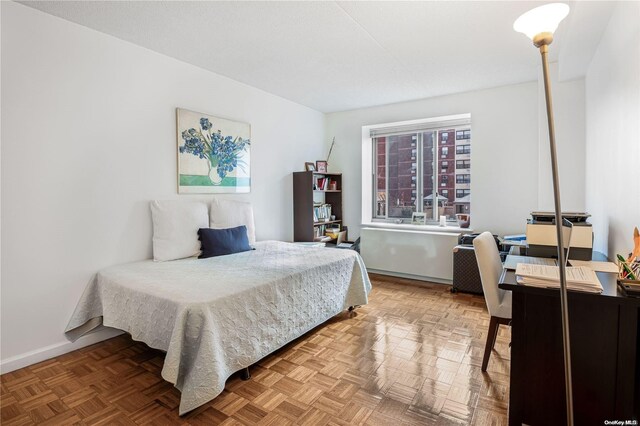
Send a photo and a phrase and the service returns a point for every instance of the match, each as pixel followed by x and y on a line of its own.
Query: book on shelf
pixel 337 235
pixel 324 183
pixel 319 182
pixel 319 231
pixel 322 213
pixel 333 231
pixel 579 278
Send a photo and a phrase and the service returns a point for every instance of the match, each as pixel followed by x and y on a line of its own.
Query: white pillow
pixel 175 228
pixel 230 213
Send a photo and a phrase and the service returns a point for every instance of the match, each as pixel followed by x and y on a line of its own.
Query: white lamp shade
pixel 542 19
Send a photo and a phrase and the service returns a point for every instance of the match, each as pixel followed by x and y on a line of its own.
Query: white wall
pixel 613 129
pixel 569 118
pixel 88 138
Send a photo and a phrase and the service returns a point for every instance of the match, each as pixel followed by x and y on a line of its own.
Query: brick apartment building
pixel 453 164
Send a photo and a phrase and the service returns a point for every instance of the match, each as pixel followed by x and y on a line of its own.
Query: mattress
pixel 216 316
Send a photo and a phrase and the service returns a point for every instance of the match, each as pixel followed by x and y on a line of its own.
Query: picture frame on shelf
pixel 418 218
pixel 321 166
pixel 309 166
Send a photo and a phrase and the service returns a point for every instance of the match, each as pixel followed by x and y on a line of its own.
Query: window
pixel 463 178
pixel 409 175
pixel 463 164
pixel 462 208
pixel 463 134
pixel 461 193
pixel 463 149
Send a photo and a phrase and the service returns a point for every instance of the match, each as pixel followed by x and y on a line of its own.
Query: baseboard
pixel 51 351
pixel 411 277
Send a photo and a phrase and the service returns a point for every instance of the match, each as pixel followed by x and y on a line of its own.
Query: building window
pixel 461 193
pixel 463 149
pixel 463 134
pixel 466 178
pixel 408 175
pixel 463 164
pixel 462 208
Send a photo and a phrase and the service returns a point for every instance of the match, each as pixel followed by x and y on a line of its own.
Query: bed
pixel 219 315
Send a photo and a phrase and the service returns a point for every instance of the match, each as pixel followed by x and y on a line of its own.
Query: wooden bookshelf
pixel 303 198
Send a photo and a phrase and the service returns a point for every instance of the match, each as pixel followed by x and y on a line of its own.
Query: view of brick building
pixel 463 172
pixel 397 178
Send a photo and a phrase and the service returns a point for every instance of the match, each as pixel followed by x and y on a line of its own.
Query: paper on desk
pixel 551 273
pixel 596 266
pixel 512 261
pixel 578 278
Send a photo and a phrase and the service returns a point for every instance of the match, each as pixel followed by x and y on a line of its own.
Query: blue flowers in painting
pixel 205 124
pixel 193 143
pixel 222 152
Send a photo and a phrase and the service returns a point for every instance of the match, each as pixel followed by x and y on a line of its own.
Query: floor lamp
pixel 539 24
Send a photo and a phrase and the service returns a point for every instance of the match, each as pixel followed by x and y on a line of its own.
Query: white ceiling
pixel 335 56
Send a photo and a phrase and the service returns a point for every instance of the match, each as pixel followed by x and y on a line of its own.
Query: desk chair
pixel 498 300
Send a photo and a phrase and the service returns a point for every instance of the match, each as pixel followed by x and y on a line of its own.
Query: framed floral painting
pixel 213 154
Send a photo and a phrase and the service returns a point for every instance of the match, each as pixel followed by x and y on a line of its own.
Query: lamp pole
pixel 542 41
pixel 539 25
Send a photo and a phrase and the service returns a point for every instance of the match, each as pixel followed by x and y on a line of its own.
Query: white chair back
pixel 490 266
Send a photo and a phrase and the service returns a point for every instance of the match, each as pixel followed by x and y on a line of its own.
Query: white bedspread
pixel 216 316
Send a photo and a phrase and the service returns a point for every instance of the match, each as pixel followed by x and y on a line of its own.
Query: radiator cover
pixel 423 254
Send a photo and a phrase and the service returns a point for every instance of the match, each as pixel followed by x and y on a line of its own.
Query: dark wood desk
pixel 605 351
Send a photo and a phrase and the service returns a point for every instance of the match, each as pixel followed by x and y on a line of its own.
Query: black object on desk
pixel 346 245
pixel 629 288
pixel 605 354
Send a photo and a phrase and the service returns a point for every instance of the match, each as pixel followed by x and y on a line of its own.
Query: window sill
pixel 421 228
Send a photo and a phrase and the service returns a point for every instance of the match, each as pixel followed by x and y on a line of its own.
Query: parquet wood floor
pixel 412 356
